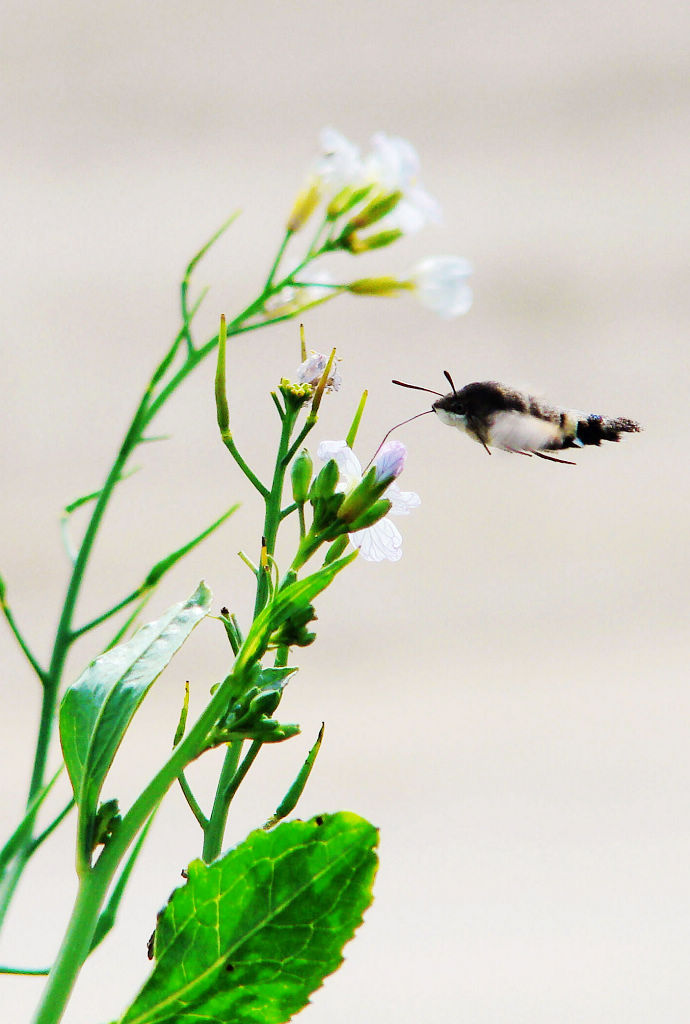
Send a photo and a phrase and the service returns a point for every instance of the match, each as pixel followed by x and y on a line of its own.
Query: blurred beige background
pixel 509 703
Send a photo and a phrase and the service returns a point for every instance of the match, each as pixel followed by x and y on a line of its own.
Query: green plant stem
pixel 40 672
pixel 24 970
pixel 192 801
pixel 274 500
pixel 53 825
pixel 76 633
pixel 213 833
pixel 276 263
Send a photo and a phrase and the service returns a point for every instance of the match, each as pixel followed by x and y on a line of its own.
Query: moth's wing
pixel 519 431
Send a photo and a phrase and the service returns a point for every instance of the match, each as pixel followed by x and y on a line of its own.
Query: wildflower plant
pixel 256 928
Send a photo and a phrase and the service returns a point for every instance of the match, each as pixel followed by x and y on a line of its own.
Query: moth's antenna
pixel 450 380
pixel 416 387
pixel 401 424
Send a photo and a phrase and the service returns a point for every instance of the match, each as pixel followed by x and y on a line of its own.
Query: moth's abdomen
pixel 594 429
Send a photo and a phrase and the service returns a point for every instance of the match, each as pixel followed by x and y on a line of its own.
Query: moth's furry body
pixel 497 416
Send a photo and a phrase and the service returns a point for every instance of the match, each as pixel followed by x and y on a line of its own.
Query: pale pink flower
pixel 382 540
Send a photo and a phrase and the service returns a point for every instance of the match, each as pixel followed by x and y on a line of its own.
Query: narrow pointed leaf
pixel 165 564
pixel 17 838
pixel 97 709
pixel 252 935
pixel 286 603
pixel 289 801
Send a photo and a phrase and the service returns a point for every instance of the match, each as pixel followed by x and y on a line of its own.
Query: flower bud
pixel 294 394
pixel 301 476
pixel 373 211
pixel 346 200
pixel 377 286
pixel 359 500
pixel 353 243
pixel 293 631
pixel 325 483
pixel 266 702
pixel 305 204
pixel 391 461
pixel 372 515
pixel 336 549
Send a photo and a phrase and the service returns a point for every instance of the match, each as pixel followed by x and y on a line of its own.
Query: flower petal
pixel 402 502
pixel 340 163
pixel 379 542
pixel 391 460
pixel 442 285
pixel 311 371
pixel 346 460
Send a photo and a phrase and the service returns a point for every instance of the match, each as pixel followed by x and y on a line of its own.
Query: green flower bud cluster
pixel 251 716
pixel 293 631
pixel 376 209
pixel 335 514
pixel 295 394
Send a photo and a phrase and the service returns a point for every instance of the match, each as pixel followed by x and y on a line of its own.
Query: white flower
pixel 340 164
pixel 311 371
pixel 441 283
pixel 394 165
pixel 382 540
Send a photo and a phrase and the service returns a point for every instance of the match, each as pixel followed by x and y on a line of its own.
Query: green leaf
pixel 165 564
pixel 252 935
pixel 287 603
pixel 16 840
pixel 98 708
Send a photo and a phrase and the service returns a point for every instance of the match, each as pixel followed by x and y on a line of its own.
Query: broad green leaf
pixel 97 709
pixel 252 935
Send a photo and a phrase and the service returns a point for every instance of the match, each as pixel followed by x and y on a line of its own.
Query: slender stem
pixel 122 631
pixel 51 828
pixel 40 672
pixel 289 510
pixel 192 801
pixel 106 615
pixel 299 440
pixel 215 829
pixel 273 503
pixel 272 272
pixel 250 475
pixel 24 970
pixel 276 402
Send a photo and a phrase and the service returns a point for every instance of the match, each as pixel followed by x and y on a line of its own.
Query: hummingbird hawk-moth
pixel 497 416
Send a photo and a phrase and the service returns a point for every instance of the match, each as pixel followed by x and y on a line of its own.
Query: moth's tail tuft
pixel 595 429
